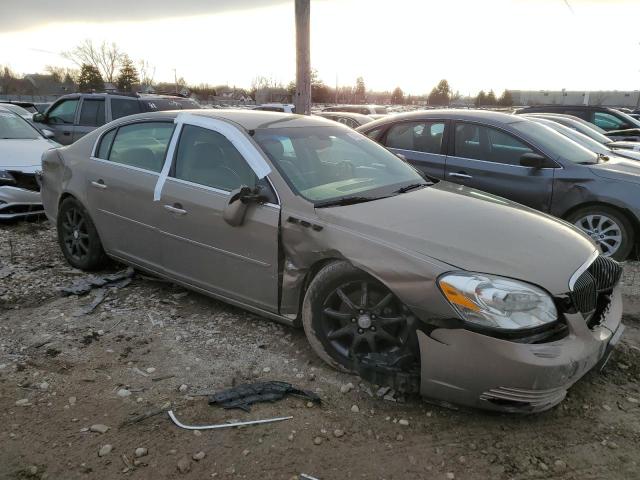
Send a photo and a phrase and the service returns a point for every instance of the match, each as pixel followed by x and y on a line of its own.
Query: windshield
pixel 555 143
pixel 575 136
pixel 326 163
pixel 13 127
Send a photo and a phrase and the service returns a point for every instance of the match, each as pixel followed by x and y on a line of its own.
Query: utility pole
pixel 302 99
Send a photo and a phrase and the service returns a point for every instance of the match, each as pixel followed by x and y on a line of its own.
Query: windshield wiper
pixel 413 186
pixel 339 202
pixel 603 157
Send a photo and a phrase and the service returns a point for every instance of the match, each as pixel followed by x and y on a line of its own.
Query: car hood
pixel 618 168
pixel 630 154
pixel 23 155
pixel 471 230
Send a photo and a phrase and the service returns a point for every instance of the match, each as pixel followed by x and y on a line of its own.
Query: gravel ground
pixel 72 384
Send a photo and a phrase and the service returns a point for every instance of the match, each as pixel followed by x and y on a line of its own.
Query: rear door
pixel 61 119
pixel 422 143
pixel 92 115
pixel 488 159
pixel 121 178
pixel 199 247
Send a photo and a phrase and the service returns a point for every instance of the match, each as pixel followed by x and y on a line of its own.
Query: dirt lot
pixel 151 344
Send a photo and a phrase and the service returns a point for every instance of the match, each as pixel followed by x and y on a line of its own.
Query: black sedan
pixel 524 161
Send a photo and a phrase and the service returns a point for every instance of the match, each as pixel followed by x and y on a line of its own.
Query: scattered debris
pixel 144 416
pixel 243 396
pixel 90 307
pixel 99 428
pixel 224 425
pixel 199 456
pixel 5 272
pixel 304 476
pixel 85 285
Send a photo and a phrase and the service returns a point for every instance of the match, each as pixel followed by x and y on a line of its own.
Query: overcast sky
pixel 518 44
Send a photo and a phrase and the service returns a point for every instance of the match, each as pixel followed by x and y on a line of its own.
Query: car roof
pixel 247 119
pixel 359 116
pixel 486 116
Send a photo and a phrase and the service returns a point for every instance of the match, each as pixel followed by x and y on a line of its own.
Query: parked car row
pixel 519 159
pixel 404 273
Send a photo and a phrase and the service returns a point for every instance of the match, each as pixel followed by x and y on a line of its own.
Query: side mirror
pixel 48 133
pixel 38 118
pixel 239 202
pixel 532 160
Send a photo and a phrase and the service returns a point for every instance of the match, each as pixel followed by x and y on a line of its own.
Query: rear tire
pixel 78 237
pixel 610 229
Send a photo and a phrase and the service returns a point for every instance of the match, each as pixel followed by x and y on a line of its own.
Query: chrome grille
pixel 597 281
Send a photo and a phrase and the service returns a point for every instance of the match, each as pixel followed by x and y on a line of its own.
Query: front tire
pixel 347 313
pixel 610 229
pixel 78 237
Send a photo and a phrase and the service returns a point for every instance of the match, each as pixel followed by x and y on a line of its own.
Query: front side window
pixel 489 144
pixel 64 112
pixel 417 136
pixel 92 113
pixel 609 122
pixel 327 163
pixel 142 145
pixel 121 107
pixel 208 158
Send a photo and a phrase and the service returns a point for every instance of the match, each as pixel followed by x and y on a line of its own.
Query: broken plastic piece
pixel 84 285
pixel 223 425
pixel 243 396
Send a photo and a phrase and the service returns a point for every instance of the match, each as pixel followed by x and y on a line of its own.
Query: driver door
pixel 198 246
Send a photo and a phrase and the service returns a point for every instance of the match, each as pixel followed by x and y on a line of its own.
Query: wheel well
pixel 628 215
pixel 64 196
pixel 312 272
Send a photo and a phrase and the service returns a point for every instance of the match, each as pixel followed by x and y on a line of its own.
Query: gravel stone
pixel 141 452
pixel 105 450
pixel 99 428
pixel 124 393
pixel 346 388
pixel 355 409
pixel 199 456
pixel 184 465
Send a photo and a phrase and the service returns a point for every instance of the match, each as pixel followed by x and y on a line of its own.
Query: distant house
pixel 110 87
pixel 273 95
pixel 41 84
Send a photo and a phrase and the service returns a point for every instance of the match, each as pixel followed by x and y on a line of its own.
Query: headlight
pixel 496 302
pixel 6 178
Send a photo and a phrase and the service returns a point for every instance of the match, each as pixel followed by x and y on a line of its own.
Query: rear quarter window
pixel 142 145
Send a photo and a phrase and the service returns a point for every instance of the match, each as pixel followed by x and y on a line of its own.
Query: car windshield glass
pixel 327 163
pixel 555 143
pixel 633 122
pixel 575 136
pixel 15 128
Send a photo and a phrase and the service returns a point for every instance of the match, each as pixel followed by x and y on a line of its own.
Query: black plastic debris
pixel 243 396
pixel 85 285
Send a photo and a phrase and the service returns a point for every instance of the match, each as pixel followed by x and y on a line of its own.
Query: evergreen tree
pixel 397 97
pixel 441 94
pixel 506 99
pixel 360 93
pixel 481 99
pixel 90 79
pixel 491 98
pixel 128 76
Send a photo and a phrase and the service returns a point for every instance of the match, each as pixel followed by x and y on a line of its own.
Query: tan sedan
pixel 436 288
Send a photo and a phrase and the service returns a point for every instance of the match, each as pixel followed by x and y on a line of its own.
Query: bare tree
pixel 106 58
pixel 146 72
pixel 61 74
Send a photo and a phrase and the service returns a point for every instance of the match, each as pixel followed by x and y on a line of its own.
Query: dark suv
pixel 73 116
pixel 617 124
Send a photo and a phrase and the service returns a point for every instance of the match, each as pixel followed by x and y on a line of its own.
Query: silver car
pixel 21 148
pixel 437 288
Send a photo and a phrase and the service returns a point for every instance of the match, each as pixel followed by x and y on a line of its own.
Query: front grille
pixel 25 180
pixel 591 290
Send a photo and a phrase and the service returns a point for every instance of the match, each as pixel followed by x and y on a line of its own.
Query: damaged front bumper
pixel 462 367
pixel 18 202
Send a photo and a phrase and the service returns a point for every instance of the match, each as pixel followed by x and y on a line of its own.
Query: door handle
pixel 175 208
pixel 460 175
pixel 99 184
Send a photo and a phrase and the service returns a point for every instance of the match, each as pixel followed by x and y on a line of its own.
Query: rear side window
pixel 417 136
pixel 207 158
pixel 121 107
pixel 92 113
pixel 141 145
pixel 161 104
pixel 105 144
